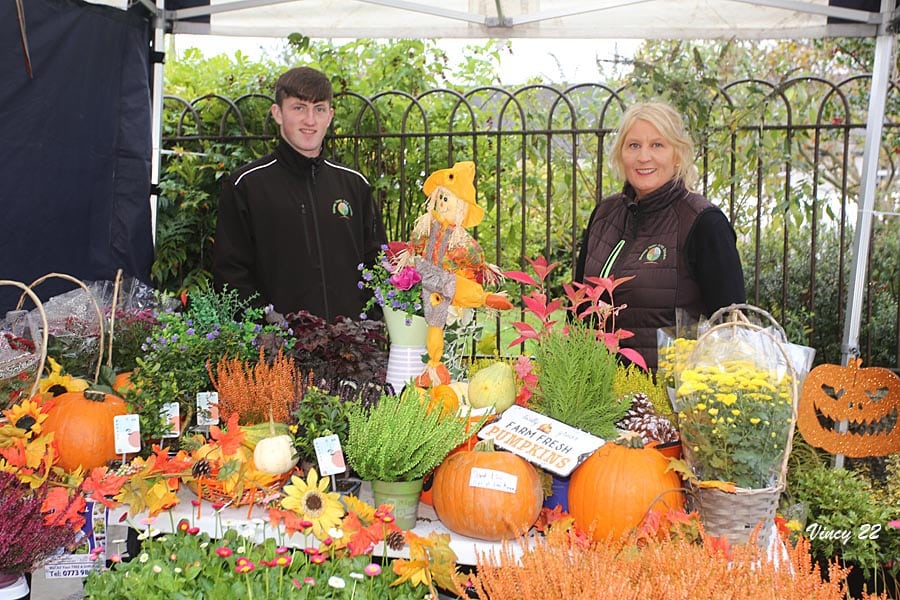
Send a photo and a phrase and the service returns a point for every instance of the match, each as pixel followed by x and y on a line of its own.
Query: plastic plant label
pixel 491 479
pixel 329 455
pixel 171 412
pixel 127 430
pixel 207 408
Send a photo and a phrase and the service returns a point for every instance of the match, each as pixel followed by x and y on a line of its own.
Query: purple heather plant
pixel 26 540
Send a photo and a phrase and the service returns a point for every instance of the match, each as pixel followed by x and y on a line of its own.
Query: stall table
pixel 253 523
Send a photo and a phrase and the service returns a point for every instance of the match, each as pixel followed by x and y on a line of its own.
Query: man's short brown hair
pixel 304 83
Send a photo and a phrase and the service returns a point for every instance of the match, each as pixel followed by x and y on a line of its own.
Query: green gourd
pixel 494 385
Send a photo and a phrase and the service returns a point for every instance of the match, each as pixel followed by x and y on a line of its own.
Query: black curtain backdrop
pixel 75 145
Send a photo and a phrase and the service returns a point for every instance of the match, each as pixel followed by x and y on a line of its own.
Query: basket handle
pixel 117 287
pixel 77 281
pixel 45 336
pixel 737 312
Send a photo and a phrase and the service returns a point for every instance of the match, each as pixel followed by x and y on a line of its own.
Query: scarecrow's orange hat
pixel 459 179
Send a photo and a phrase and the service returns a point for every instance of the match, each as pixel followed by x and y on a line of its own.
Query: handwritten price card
pixel 490 479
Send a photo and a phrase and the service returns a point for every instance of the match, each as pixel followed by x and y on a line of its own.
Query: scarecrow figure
pixel 449 260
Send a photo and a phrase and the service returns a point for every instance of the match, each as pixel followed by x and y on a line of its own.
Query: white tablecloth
pixel 258 528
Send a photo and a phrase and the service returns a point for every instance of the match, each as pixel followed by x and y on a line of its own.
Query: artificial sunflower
pixel 57 383
pixel 311 500
pixel 363 510
pixel 27 415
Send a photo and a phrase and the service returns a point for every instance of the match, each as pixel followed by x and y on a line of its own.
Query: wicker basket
pixel 735 515
pixel 90 297
pixel 27 362
pixel 213 490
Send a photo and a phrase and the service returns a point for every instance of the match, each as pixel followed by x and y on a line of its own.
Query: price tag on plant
pixel 127 430
pixel 207 408
pixel 329 455
pixel 171 413
pixel 545 442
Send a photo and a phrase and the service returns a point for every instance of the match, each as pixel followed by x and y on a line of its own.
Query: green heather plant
pixel 400 438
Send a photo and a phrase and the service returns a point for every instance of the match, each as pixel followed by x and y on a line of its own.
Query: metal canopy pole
pixel 156 90
pixel 884 53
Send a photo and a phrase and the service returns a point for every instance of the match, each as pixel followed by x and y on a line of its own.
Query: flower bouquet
pixel 392 287
pixel 19 364
pixel 737 396
pixel 398 291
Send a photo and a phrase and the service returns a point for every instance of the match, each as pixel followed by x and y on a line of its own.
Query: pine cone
pixel 643 419
pixel 201 468
pixel 640 406
pixel 395 540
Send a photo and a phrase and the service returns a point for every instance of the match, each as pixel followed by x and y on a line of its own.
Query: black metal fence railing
pixel 781 159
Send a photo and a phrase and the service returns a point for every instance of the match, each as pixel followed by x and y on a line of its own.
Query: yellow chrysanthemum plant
pixel 673 357
pixel 737 408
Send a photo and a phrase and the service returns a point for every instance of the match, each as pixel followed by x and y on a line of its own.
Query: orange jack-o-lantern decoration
pixel 850 410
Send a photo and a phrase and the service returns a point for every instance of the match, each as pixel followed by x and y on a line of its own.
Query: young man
pixel 293 226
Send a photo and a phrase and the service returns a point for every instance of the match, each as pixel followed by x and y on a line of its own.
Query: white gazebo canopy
pixel 612 19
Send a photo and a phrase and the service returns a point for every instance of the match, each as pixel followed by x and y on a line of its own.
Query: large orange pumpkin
pixel 82 423
pixel 487 495
pixel 614 489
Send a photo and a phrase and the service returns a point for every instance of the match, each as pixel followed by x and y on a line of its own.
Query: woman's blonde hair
pixel 670 124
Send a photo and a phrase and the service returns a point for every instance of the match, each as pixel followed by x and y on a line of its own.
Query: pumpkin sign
pixel 612 492
pixel 82 424
pixel 866 399
pixel 488 495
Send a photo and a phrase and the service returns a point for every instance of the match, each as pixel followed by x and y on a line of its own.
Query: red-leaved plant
pixel 583 301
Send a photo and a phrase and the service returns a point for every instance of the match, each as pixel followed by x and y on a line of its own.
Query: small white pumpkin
pixel 275 454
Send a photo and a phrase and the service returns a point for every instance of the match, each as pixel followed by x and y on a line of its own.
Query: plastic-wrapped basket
pixel 736 515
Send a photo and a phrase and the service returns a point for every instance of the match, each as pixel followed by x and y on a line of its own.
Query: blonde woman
pixel 679 246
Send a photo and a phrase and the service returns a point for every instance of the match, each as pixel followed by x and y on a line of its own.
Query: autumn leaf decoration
pixel 229 439
pixel 430 561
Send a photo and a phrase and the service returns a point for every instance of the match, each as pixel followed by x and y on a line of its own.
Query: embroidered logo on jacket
pixel 653 253
pixel 341 208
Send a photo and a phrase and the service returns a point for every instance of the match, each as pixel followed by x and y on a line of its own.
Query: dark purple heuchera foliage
pixel 346 357
pixel 26 541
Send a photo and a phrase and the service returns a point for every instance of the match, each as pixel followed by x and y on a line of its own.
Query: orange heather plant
pixel 252 391
pixel 562 565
